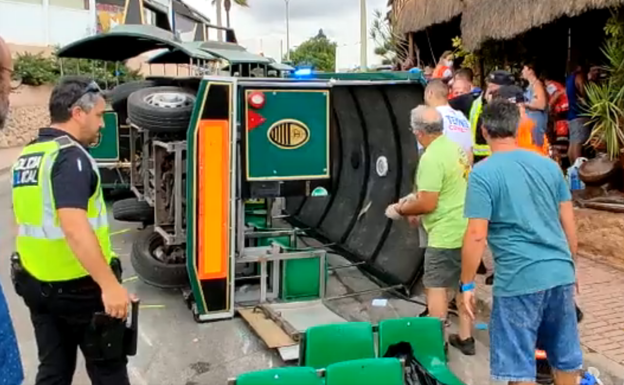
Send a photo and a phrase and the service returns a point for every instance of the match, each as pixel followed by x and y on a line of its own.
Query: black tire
pixel 118 97
pixel 151 270
pixel 133 210
pixel 161 116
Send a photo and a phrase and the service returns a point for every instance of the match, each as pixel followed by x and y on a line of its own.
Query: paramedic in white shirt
pixel 456 126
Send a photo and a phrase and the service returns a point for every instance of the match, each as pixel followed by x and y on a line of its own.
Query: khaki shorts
pixel 442 268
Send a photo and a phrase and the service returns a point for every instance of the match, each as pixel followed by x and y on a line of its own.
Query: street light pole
pixel 287 31
pixel 219 20
pixel 363 36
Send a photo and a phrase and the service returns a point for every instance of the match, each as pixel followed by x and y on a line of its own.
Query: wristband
pixel 470 286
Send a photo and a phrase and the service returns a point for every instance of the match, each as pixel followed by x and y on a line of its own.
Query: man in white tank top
pixel 456 126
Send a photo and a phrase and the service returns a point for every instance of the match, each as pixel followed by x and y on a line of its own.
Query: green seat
pixel 328 344
pixel 297 375
pixel 426 336
pixel 371 371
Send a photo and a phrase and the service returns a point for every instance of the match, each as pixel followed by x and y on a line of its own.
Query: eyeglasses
pixel 91 88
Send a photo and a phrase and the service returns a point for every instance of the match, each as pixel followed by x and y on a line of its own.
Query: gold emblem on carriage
pixel 288 134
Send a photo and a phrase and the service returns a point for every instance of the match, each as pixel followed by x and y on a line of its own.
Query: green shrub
pixel 37 69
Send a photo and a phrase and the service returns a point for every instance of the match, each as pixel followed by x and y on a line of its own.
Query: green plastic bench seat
pixel 426 336
pixel 372 371
pixel 328 344
pixel 281 376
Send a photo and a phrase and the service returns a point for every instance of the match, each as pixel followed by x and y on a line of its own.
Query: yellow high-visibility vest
pixel 41 243
pixel 475 113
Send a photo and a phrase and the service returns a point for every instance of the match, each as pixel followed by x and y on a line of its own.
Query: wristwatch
pixel 463 287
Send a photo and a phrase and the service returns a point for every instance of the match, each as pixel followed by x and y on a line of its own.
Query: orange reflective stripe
pixel 213 200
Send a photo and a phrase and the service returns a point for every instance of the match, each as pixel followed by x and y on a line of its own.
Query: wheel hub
pixel 170 99
pixel 172 257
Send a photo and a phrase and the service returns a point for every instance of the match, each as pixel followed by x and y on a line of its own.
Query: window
pixel 72 4
pixel 35 2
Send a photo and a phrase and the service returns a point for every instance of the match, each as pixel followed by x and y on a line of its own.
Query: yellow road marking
pixel 120 232
pixel 151 306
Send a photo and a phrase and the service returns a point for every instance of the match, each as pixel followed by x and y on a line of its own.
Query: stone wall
pixel 27 114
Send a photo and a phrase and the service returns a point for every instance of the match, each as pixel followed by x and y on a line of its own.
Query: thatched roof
pixel 483 20
pixel 416 15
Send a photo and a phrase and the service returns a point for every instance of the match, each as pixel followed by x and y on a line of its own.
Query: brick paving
pixel 602 301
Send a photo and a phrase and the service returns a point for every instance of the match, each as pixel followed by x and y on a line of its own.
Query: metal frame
pixel 146 170
pixel 163 219
pixel 137 183
pixel 274 254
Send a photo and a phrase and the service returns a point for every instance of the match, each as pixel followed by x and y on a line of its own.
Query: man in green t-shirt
pixel 440 191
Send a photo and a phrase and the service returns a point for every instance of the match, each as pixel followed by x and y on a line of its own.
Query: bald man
pixel 456 126
pixel 11 372
pixel 439 194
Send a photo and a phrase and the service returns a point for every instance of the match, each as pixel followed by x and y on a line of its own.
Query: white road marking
pixel 145 338
pixel 136 374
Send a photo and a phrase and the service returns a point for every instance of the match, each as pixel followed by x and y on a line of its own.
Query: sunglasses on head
pixel 91 88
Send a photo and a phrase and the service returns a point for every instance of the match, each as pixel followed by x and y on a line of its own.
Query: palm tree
pixel 227 5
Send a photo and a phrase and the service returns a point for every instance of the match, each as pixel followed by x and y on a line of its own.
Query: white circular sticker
pixel 319 192
pixel 382 166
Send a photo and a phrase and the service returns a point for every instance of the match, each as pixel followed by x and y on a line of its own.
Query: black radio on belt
pixel 110 338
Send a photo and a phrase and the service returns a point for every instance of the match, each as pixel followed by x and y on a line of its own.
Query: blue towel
pixel 11 371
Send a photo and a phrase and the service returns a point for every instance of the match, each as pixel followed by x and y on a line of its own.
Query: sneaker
pixel 467 346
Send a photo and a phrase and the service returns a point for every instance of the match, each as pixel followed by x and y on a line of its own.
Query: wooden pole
pixel 410 41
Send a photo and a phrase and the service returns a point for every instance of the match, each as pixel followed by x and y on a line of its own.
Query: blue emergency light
pixel 303 73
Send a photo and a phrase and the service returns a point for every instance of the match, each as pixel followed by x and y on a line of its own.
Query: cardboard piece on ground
pixel 289 353
pixel 272 335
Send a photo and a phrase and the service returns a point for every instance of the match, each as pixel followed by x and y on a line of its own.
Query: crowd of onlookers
pixel 551 110
pixel 485 180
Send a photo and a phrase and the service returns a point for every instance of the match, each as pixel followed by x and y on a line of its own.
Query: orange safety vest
pixel 525 137
pixel 438 73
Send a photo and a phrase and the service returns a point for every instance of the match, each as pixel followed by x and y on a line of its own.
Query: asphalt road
pixel 174 350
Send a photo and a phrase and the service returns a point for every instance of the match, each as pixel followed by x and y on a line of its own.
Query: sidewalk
pixel 602 300
pixel 8 157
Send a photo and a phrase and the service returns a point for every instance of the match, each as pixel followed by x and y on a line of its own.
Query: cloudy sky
pixel 262 26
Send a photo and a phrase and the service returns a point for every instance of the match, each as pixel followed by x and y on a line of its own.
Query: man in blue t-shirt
pixel 519 201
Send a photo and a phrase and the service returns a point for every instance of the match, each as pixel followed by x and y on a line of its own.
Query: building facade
pixel 33 24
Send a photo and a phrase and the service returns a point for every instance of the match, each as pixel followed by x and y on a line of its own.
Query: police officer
pixel 65 268
pixel 471 105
